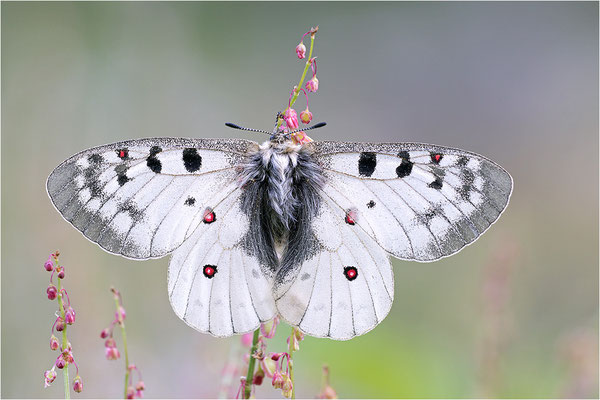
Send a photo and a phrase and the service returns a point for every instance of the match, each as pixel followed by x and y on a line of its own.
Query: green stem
pixel 290 351
pixel 297 91
pixel 64 339
pixel 251 363
pixel 124 334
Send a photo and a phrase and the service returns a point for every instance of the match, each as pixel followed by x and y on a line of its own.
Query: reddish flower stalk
pixel 112 353
pixel 65 316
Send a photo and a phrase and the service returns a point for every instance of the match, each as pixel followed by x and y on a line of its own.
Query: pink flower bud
pixel 276 356
pixel 68 356
pixel 268 366
pixel 291 118
pixel 306 116
pixel 70 316
pixel 110 342
pixel 140 386
pixel 301 50
pixel 313 84
pixel 112 353
pixel 300 138
pixel 77 384
pixel 54 344
pixel 130 392
pixel 61 273
pixel 286 388
pixel 278 380
pixel 104 333
pixel 52 292
pixel 268 328
pixel 49 265
pixel 60 324
pixel 60 363
pixel 122 312
pixel 49 377
pixel 258 377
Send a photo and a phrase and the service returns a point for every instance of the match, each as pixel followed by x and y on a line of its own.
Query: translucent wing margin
pixel 417 201
pixel 143 198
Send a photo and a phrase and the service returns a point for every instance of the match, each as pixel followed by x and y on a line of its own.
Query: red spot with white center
pixel 209 216
pixel 122 153
pixel 209 271
pixel 351 273
pixel 436 158
pixel 350 217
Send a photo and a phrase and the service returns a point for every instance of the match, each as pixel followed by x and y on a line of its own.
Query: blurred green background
pixel 515 315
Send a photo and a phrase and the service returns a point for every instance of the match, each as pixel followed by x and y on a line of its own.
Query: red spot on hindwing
pixel 209 271
pixel 209 216
pixel 351 273
pixel 123 153
pixel 350 217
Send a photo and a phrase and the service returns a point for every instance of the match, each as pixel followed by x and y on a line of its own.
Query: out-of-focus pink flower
pixel 60 362
pixel 61 272
pixel 300 138
pixel 60 324
pixel 278 380
pixel 49 377
pixel 268 366
pixel 306 116
pixel 54 344
pixel 258 377
pixel 70 316
pixel 49 265
pixel 291 118
pixel 140 385
pixel 112 353
pixel 268 328
pixel 301 50
pixel 247 339
pixel 122 312
pixel 105 332
pixel 313 84
pixel 77 384
pixel 52 292
pixel 286 388
pixel 130 392
pixel 110 342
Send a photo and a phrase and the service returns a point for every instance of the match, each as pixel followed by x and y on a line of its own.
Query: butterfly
pixel 259 230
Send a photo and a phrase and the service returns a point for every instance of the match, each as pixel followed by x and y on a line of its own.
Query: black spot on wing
pixel 405 167
pixel 371 204
pixel 437 183
pixel 190 201
pixel 154 150
pixel 122 179
pixel 95 159
pixel 154 164
pixel 191 160
pixel 467 177
pixel 367 163
pixel 462 161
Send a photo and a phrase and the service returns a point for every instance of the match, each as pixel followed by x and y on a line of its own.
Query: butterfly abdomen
pixel 280 195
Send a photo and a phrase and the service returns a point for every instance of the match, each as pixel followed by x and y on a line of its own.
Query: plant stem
pixel 291 362
pixel 297 91
pixel 124 334
pixel 64 340
pixel 251 362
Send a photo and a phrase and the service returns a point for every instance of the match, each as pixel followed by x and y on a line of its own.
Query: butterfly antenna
pixel 315 126
pixel 234 126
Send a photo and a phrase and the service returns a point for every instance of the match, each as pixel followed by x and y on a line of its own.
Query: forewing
pixel 143 198
pixel 418 201
pixel 344 288
pixel 216 284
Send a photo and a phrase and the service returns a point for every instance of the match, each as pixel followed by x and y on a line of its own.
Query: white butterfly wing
pixel 345 287
pixel 215 285
pixel 143 198
pixel 146 198
pixel 414 201
pixel 419 202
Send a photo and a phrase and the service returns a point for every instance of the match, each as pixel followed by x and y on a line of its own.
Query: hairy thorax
pixel 280 184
